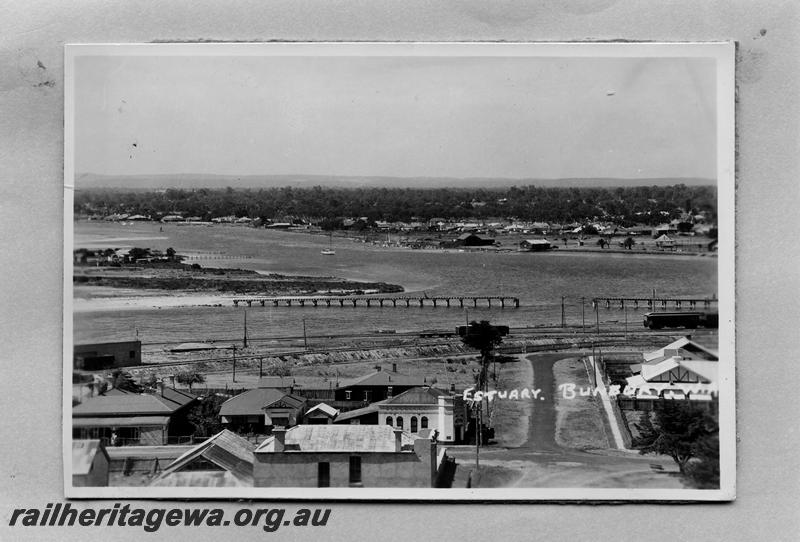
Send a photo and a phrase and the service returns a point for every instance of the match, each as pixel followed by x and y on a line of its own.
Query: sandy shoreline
pixel 105 299
pixel 143 300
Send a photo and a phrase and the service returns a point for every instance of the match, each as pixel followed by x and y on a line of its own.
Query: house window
pixel 132 354
pixel 389 420
pixel 388 391
pixel 347 395
pixel 355 470
pixel 413 424
pixel 400 422
pixel 324 474
pixel 366 396
pixel 423 422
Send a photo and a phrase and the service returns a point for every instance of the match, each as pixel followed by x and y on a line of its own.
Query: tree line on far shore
pixel 624 205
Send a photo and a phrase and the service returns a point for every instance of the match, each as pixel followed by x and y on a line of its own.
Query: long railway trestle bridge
pixel 382 301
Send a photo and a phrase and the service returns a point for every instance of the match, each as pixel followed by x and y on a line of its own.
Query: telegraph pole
pixel 563 320
pixel 478 439
pixel 597 315
pixel 244 337
pixel 233 346
pixel 583 314
pixel 626 323
pixel 305 338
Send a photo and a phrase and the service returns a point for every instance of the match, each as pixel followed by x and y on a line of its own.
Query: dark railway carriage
pixel 691 320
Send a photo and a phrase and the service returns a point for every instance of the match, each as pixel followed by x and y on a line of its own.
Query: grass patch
pixel 579 423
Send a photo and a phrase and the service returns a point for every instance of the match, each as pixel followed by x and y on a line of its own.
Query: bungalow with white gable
pixel 683 370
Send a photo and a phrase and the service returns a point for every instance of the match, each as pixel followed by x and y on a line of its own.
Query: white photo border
pixel 723 52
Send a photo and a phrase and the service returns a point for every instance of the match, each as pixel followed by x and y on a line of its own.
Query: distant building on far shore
pixel 535 245
pixel 472 240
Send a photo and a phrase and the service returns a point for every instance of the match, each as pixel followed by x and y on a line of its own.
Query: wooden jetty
pixel 653 303
pixel 381 301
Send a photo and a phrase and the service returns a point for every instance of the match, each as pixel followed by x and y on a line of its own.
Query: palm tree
pixel 483 337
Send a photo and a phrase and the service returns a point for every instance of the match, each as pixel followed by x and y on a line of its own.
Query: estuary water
pixel 539 280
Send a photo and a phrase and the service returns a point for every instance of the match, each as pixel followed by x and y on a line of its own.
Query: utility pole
pixel 233 346
pixel 583 315
pixel 477 440
pixel 626 323
pixel 305 338
pixel 260 367
pixel 244 337
pixel 563 320
pixel 597 315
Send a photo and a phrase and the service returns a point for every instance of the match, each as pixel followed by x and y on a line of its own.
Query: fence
pixel 619 419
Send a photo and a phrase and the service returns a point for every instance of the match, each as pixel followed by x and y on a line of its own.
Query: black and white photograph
pixel 392 271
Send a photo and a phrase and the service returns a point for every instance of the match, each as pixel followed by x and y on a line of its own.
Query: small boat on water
pixel 329 251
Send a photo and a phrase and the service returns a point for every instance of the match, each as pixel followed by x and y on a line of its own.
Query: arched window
pixel 413 424
pixel 423 422
pixel 389 420
pixel 400 422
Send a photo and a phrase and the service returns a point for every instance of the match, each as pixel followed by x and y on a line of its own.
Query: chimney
pixel 398 440
pixel 378 368
pixel 427 451
pixel 280 438
pixel 161 387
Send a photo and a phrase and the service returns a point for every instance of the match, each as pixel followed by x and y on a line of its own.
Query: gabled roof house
pixel 224 460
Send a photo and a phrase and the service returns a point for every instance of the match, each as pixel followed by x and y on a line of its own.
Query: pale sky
pixel 514 117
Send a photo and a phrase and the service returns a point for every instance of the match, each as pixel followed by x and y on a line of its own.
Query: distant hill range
pixel 188 181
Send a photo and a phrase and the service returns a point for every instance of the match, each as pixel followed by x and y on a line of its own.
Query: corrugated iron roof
pixel 226 449
pixel 323 408
pixel 338 438
pixel 122 402
pixel 200 478
pixel 684 343
pixel 252 402
pixel 357 413
pixel 417 396
pixel 384 378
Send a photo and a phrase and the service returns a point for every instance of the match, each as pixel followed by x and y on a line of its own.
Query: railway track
pixel 515 342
